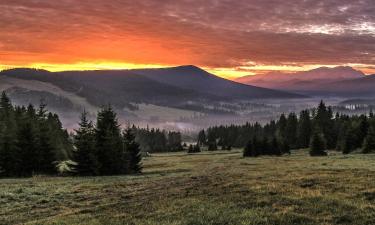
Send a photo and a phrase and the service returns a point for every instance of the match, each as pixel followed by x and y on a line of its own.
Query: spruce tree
pixel 109 142
pixel 275 147
pixel 28 147
pixel 253 148
pixel 9 153
pixel 132 154
pixel 85 154
pixel 323 120
pixel 191 149
pixel 212 146
pixel 350 141
pixel 318 144
pixel 369 143
pixel 291 130
pixel 304 129
pixel 202 139
pixel 247 152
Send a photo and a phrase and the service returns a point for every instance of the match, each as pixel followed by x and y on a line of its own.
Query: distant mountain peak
pixel 24 71
pixel 189 68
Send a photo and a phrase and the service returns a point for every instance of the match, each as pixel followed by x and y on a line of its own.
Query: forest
pixel 318 129
pixel 33 141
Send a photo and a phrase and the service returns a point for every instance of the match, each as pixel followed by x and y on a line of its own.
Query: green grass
pixel 207 188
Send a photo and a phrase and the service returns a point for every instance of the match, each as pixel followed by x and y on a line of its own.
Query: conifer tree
pixel 28 146
pixel 85 154
pixel 291 130
pixel 324 121
pixel 202 139
pixel 109 142
pixel 212 146
pixel 275 147
pixel 369 143
pixel 249 150
pixel 132 154
pixel 9 158
pixel 349 141
pixel 253 148
pixel 191 149
pixel 304 129
pixel 318 144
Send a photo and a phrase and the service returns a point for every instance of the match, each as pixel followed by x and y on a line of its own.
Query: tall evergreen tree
pixel 109 142
pixel 28 146
pixel 318 144
pixel 9 157
pixel 369 143
pixel 85 154
pixel 304 129
pixel 291 130
pixel 202 139
pixel 350 141
pixel 132 154
pixel 324 121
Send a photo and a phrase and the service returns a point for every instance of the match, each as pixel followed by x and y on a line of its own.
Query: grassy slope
pixel 204 189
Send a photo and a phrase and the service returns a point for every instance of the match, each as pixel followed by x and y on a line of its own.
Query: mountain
pixel 307 82
pixel 194 78
pixel 166 87
pixel 171 94
pixel 360 87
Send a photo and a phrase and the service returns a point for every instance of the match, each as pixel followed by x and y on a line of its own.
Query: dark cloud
pixel 213 33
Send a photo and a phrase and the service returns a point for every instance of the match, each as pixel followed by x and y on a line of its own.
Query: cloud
pixel 210 33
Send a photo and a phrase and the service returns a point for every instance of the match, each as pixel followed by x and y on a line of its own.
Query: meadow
pixel 215 188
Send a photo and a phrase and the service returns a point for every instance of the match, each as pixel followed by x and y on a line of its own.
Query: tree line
pixel 156 140
pixel 318 129
pixel 33 141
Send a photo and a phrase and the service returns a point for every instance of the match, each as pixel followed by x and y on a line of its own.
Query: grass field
pixel 207 188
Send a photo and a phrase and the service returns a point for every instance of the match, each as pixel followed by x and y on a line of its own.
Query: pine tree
pixel 363 129
pixel 28 147
pixel 318 144
pixel 202 139
pixel 132 152
pixel 85 154
pixel 275 147
pixel 9 158
pixel 291 130
pixel 304 129
pixel 46 149
pixel 191 149
pixel 212 146
pixel 349 141
pixel 248 150
pixel 282 127
pixel 109 142
pixel 323 120
pixel 253 148
pixel 369 143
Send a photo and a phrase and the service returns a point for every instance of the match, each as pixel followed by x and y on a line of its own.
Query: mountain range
pixel 170 86
pixel 338 81
pixel 131 91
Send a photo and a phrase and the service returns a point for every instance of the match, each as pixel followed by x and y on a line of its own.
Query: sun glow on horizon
pixel 230 73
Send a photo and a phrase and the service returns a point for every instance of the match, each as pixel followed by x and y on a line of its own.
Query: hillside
pixel 194 78
pixel 167 87
pixel 207 188
pixel 362 87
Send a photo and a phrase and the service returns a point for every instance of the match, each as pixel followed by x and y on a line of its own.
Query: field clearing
pixel 208 188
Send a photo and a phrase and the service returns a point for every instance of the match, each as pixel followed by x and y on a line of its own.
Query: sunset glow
pixel 231 39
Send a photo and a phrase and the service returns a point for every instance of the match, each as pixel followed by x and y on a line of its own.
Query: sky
pixel 230 38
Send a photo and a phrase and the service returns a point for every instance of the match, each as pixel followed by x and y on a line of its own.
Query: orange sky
pixel 228 38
